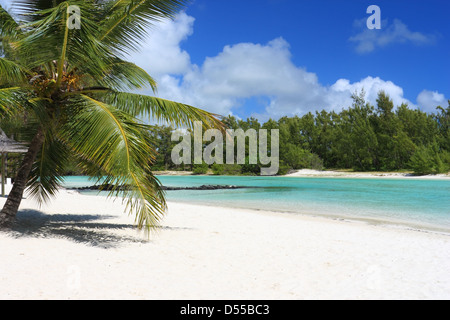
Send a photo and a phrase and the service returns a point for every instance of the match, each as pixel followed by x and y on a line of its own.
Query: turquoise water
pixel 412 202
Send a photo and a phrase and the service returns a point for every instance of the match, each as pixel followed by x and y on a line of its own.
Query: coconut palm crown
pixel 73 91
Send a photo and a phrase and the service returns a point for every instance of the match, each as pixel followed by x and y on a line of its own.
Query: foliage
pixel 428 160
pixel 200 168
pixel 68 92
pixel 218 169
pixel 227 169
pixel 362 137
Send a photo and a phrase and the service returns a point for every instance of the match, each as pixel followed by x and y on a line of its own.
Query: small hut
pixel 8 145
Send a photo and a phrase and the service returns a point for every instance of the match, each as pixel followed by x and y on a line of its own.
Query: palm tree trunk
pixel 9 211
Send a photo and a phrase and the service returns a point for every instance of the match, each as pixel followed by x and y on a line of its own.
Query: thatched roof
pixel 9 145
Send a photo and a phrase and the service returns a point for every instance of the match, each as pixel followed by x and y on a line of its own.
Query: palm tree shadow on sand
pixel 92 230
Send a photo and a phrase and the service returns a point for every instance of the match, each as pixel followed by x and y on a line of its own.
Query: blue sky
pixel 270 58
pixel 318 33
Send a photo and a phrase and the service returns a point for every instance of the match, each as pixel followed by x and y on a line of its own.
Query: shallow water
pixel 413 202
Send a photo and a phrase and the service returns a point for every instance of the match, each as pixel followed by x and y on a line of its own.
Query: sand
pixel 84 247
pixel 347 174
pixel 337 174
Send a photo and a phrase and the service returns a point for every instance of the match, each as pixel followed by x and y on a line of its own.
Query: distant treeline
pixel 362 137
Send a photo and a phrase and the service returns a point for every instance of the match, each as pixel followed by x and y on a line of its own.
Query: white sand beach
pixel 337 174
pixel 348 174
pixel 83 247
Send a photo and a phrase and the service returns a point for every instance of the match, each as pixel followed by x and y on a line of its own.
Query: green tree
pixel 428 160
pixel 293 156
pixel 307 131
pixel 163 145
pixel 230 122
pixel 363 138
pixel 394 145
pixel 72 88
pixel 442 119
pixel 218 169
pixel 323 140
pixel 422 161
pixel 342 150
pixel 419 126
pixel 200 168
pixel 250 123
pixel 384 125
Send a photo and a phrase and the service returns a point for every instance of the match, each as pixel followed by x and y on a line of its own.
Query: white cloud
pixel 160 54
pixel 429 100
pixel 397 32
pixel 249 70
pixel 263 72
pixel 343 89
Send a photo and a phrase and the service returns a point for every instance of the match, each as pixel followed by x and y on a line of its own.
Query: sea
pixel 412 203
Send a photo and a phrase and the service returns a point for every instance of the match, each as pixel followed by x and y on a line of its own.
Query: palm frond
pixel 9 32
pixel 116 142
pixel 48 170
pixel 12 101
pixel 12 73
pixel 124 75
pixel 39 45
pixel 174 113
pixel 49 39
pixel 127 22
pixel 27 9
pixel 8 26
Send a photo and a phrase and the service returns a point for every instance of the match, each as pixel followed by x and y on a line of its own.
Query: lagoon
pixel 414 203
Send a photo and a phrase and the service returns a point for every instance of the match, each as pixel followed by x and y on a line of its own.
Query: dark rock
pixel 109 187
pixel 205 187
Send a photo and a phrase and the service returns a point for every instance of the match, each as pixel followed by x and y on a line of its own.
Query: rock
pixel 109 187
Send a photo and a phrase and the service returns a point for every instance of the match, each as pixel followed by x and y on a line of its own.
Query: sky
pixel 274 58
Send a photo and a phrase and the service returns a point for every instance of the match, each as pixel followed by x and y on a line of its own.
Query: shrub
pixel 218 169
pixel 200 168
pixel 426 160
pixel 232 169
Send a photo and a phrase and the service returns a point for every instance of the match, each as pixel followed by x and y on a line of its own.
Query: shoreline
pixel 418 226
pixel 86 247
pixel 370 221
pixel 374 219
pixel 308 173
pixel 381 175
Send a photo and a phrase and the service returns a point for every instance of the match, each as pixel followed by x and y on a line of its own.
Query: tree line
pixel 362 137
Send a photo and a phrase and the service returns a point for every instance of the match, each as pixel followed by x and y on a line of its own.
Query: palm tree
pixel 73 89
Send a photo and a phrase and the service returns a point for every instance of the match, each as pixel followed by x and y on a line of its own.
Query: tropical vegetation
pixel 70 94
pixel 361 137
